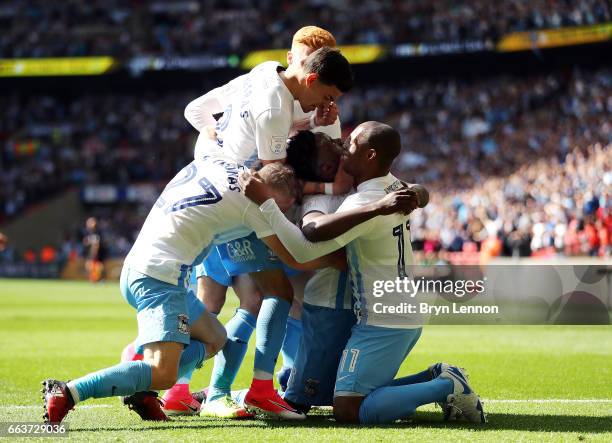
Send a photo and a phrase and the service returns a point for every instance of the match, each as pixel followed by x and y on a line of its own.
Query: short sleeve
pixel 315 203
pixel 271 131
pixel 325 204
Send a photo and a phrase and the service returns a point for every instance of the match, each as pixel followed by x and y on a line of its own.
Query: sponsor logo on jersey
pixel 396 185
pixel 240 251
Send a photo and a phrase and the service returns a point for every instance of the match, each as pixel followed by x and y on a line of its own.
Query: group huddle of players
pixel 300 224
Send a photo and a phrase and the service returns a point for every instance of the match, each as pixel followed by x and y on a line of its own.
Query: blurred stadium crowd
pixel 37 28
pixel 519 166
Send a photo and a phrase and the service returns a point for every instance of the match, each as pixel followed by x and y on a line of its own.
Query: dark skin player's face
pixel 328 156
pixel 355 153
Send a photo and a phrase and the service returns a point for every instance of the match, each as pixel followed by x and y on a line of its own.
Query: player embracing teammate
pixel 253 116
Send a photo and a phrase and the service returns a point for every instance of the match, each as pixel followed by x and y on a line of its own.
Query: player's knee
pixel 346 409
pixel 251 303
pixel 164 377
pixel 216 343
pixel 282 290
pixel 274 283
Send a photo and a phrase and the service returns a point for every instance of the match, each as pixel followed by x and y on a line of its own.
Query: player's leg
pixel 293 331
pixel 271 325
pixel 227 362
pixel 208 330
pixel 191 357
pixel 364 393
pixel 324 337
pixel 163 330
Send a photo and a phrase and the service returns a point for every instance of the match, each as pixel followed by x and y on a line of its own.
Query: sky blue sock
pixel 421 377
pixel 389 403
pixel 271 326
pixel 191 358
pixel 185 379
pixel 228 360
pixel 293 333
pixel 123 379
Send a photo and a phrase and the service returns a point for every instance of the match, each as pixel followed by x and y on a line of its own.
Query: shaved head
pixel 383 139
pixel 370 150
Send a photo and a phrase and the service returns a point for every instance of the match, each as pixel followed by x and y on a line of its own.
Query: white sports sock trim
pixel 348 394
pixel 262 375
pixel 74 392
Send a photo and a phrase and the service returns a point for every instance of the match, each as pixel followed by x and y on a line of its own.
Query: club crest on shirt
pixel 183 324
pixel 277 144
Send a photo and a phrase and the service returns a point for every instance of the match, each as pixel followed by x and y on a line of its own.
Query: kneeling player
pixel 377 249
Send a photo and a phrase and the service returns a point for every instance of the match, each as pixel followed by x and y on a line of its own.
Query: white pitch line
pixel 40 406
pixel 532 400
pixel 552 400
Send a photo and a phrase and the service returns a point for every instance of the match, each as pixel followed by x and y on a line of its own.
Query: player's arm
pixel 328 226
pixel 336 259
pixel 299 246
pixel 200 112
pixel 323 116
pixel 254 218
pixel 265 162
pixel 271 130
pixel 421 192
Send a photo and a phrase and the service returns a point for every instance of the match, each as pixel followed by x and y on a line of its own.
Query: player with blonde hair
pixel 267 272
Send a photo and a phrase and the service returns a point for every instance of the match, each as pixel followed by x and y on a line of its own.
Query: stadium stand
pixel 519 163
pixel 464 138
pixel 36 28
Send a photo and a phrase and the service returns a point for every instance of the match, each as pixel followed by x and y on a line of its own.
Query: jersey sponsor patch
pixel 240 251
pixel 395 186
pixel 277 144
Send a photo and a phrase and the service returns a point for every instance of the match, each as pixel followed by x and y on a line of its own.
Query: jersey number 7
pixel 210 195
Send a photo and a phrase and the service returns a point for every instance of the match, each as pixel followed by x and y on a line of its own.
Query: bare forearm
pixel 329 226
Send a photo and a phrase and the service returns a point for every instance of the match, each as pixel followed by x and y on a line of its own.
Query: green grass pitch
pixel 539 383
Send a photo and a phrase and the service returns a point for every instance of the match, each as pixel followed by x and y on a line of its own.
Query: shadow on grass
pixel 430 420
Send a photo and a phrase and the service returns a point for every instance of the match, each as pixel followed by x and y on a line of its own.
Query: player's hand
pixel 253 187
pixel 421 192
pixel 404 200
pixel 326 115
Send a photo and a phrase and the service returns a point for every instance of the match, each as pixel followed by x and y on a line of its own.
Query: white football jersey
pixel 256 121
pixel 328 287
pixel 201 206
pixel 377 250
pixel 239 91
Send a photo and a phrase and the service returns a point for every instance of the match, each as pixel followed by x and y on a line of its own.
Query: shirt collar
pixel 378 183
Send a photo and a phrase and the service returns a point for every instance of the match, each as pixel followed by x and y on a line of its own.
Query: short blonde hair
pixel 281 178
pixel 313 37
